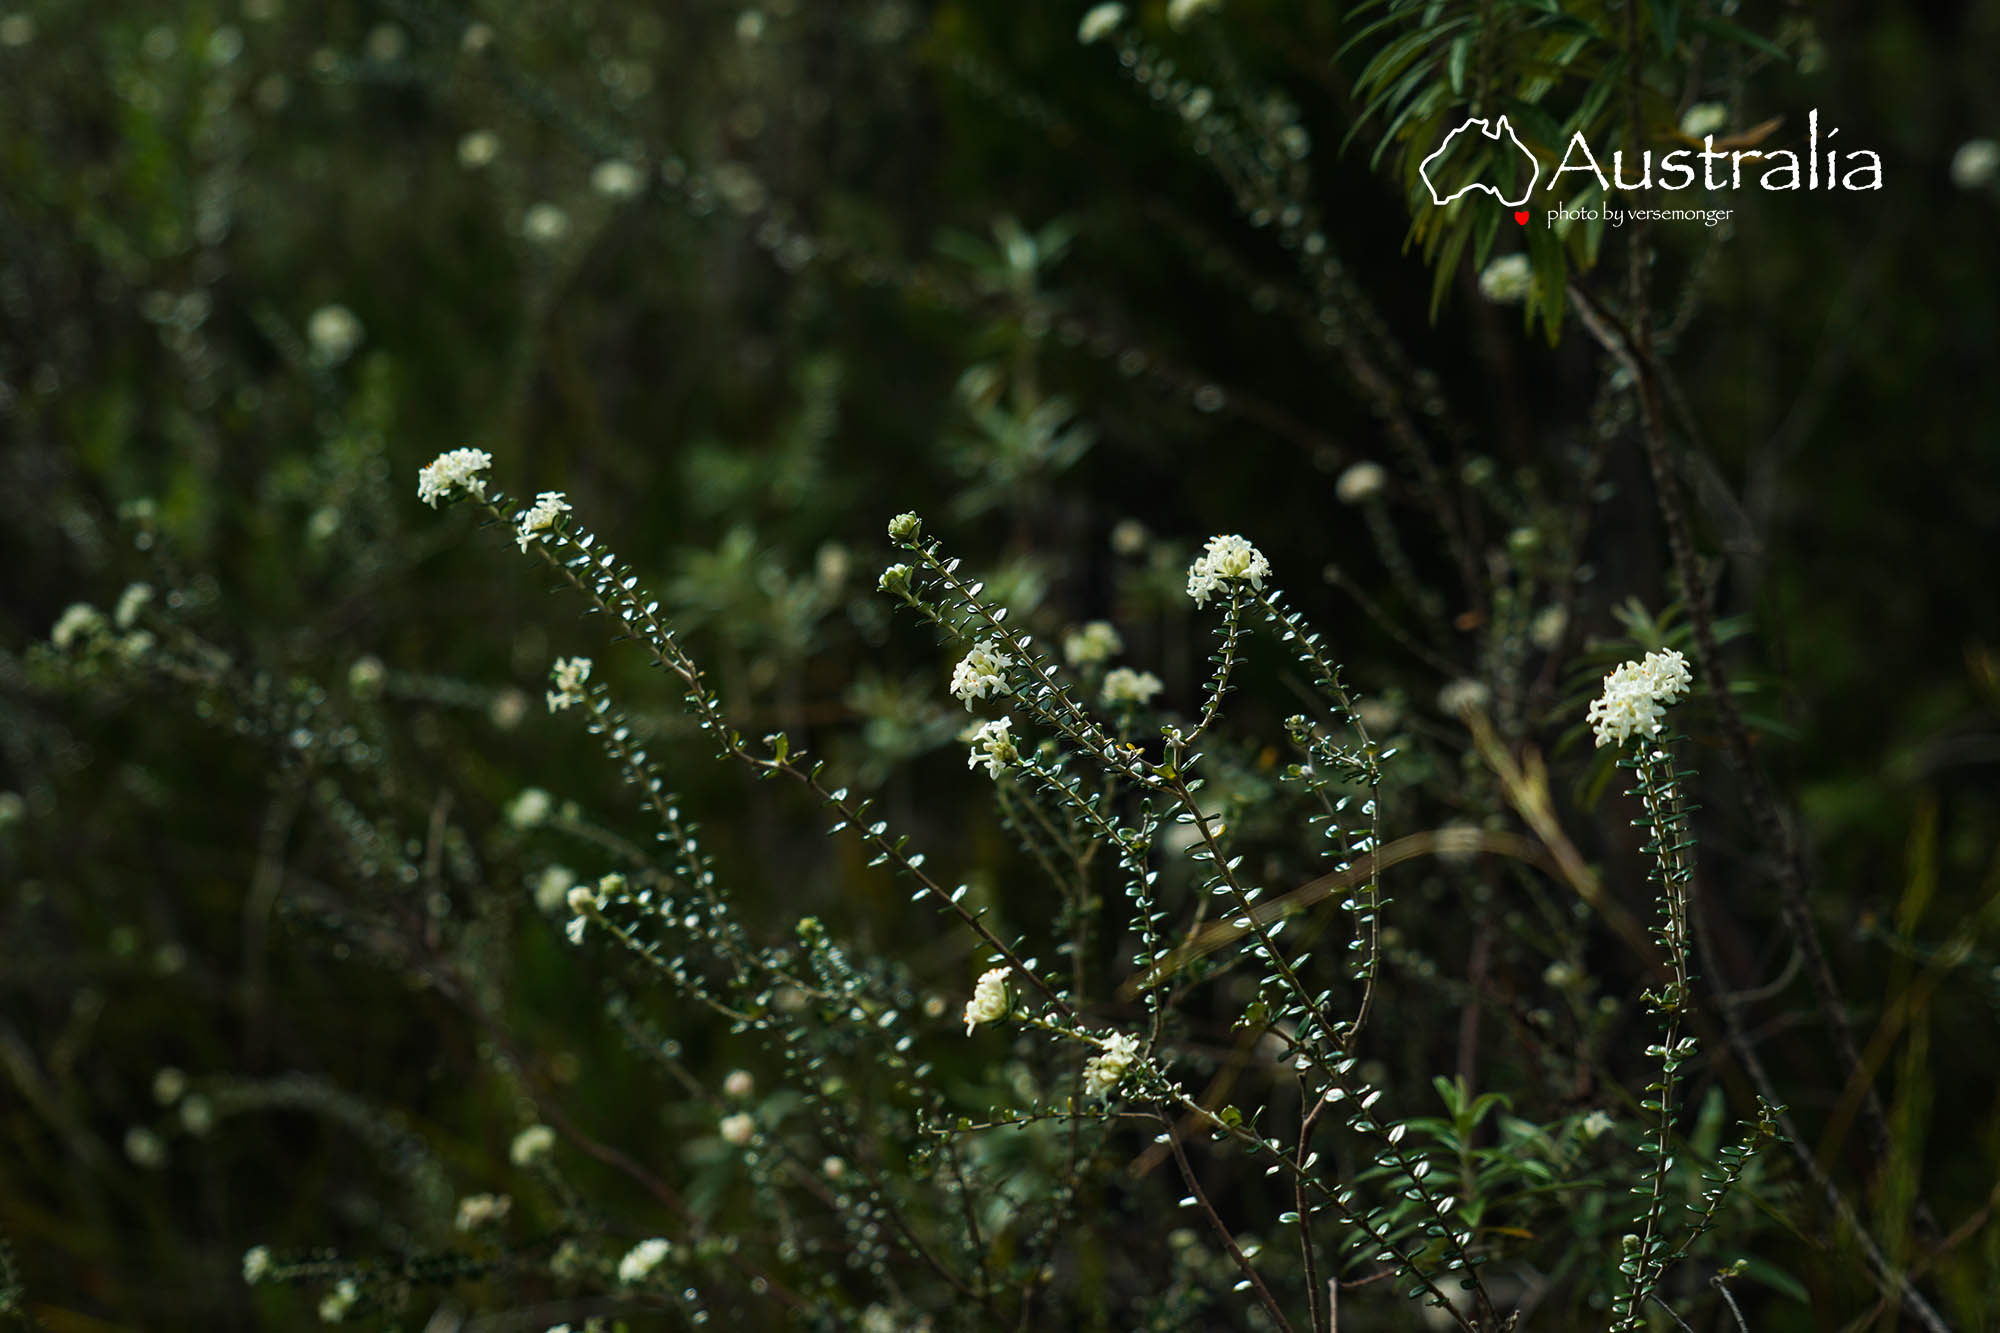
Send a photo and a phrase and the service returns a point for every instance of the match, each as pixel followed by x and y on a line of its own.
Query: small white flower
pixel 737 1129
pixel 1099 22
pixel 198 1115
pixel 989 999
pixel 256 1264
pixel 1703 119
pixel 145 1148
pixel 616 180
pixel 168 1086
pixel 334 333
pixel 540 517
pixel 1561 975
pixel 993 746
pixel 1228 559
pixel 79 625
pixel 130 603
pixel 544 224
pixel 833 1168
pixel 1102 1073
pixel 895 580
pixel 1124 687
pixel 583 902
pixel 1507 280
pixel 904 527
pixel 1095 642
pixel 552 887
pixel 333 1307
pixel 982 674
pixel 1461 696
pixel 1363 481
pixel 479 1210
pixel 478 149
pixel 529 808
pixel 739 1084
pixel 1975 164
pixel 642 1259
pixel 536 1143
pixel 366 676
pixel 569 674
pixel 451 471
pixel 1596 1125
pixel 508 708
pixel 1180 13
pixel 1128 537
pixel 1545 631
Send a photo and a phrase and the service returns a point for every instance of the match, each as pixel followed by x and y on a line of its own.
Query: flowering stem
pixel 613 591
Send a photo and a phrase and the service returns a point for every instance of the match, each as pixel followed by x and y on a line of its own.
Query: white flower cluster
pixel 256 1264
pixel 737 1129
pixel 1364 481
pixel 1507 280
pixel 80 625
pixel 1703 119
pixel 1103 1072
pixel 534 1144
pixel 642 1259
pixel 540 517
pixel 616 179
pixel 1126 688
pixel 569 674
pixel 1096 642
pixel 452 471
pixel 529 808
pixel 993 746
pixel 1180 13
pixel 1975 164
pixel 1636 694
pixel 587 901
pixel 334 333
pixel 130 603
pixel 989 999
pixel 983 674
pixel 333 1307
pixel 544 223
pixel 1228 559
pixel 478 149
pixel 479 1210
pixel 1099 22
pixel 1463 696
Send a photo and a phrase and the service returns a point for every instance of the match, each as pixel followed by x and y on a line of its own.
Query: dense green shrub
pixel 1076 928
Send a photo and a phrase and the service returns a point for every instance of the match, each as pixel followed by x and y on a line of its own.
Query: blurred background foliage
pixel 744 281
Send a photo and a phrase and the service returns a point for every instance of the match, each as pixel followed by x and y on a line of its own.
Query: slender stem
pixel 1222 1230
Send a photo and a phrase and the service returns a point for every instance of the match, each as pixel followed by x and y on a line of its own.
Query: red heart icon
pixel 1522 217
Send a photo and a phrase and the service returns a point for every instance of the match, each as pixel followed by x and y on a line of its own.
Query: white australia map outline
pixel 1492 132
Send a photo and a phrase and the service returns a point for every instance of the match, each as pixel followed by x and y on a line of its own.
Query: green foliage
pixel 1286 953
